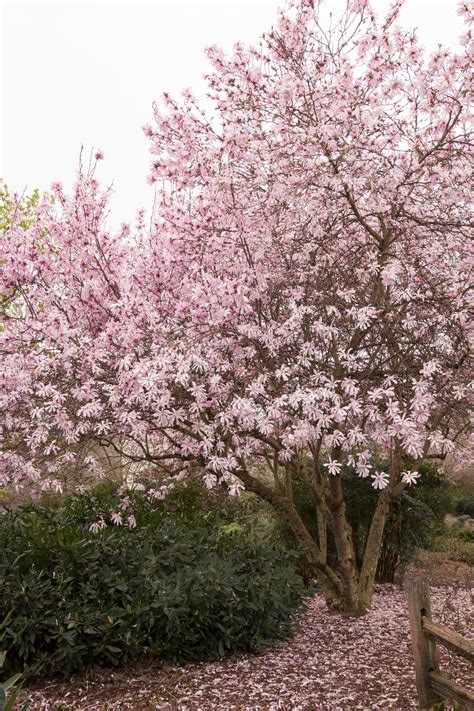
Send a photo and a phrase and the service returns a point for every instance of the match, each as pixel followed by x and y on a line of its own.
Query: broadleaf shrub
pixel 415 518
pixel 9 688
pixel 458 543
pixel 465 506
pixel 175 589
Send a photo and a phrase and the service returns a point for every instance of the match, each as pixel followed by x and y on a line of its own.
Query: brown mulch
pixel 329 664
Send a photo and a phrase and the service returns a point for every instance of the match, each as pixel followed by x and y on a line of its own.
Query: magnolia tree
pixel 299 308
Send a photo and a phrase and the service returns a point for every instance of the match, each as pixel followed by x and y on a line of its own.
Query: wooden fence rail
pixel 434 686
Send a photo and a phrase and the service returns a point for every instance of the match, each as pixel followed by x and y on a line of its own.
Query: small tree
pixel 301 301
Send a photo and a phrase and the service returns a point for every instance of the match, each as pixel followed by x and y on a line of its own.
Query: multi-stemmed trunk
pixel 347 587
pixel 357 584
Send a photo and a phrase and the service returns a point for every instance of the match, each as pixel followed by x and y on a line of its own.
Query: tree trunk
pixel 328 580
pixel 377 527
pixel 344 590
pixel 322 533
pixel 342 532
pixel 372 550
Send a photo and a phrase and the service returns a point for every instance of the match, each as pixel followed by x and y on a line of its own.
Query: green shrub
pixel 10 688
pixel 465 506
pixel 465 534
pixel 411 523
pixel 188 504
pixel 180 591
pixel 416 516
pixel 456 548
pixel 458 543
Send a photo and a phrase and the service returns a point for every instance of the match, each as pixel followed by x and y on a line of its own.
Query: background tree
pixel 15 210
pixel 12 204
pixel 301 303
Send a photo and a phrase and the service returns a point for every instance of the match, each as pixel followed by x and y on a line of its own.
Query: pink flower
pixel 125 503
pixel 333 466
pixel 94 527
pixel 147 130
pixel 363 469
pixel 97 526
pixel 380 480
pixel 99 155
pixel 357 6
pixel 410 477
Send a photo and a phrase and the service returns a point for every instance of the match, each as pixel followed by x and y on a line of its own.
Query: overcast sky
pixel 87 73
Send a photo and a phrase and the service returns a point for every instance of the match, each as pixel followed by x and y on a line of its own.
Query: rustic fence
pixel 433 685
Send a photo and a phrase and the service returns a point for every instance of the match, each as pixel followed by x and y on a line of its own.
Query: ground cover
pixel 328 665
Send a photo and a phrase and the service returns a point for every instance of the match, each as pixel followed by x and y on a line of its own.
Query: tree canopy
pixel 299 307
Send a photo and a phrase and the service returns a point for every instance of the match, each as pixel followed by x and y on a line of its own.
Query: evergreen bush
pixel 170 586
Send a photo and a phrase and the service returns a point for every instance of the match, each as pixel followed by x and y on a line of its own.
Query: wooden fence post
pixel 424 649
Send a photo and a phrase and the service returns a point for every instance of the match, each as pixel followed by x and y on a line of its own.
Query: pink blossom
pixel 302 291
pixel 410 477
pixel 98 525
pixel 125 503
pixel 380 480
pixel 333 466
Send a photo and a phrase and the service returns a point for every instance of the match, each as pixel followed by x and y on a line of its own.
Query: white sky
pixel 87 73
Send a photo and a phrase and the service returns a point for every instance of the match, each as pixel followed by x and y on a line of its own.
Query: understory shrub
pixel 189 503
pixel 9 688
pixel 465 506
pixel 178 590
pixel 415 518
pixel 458 543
